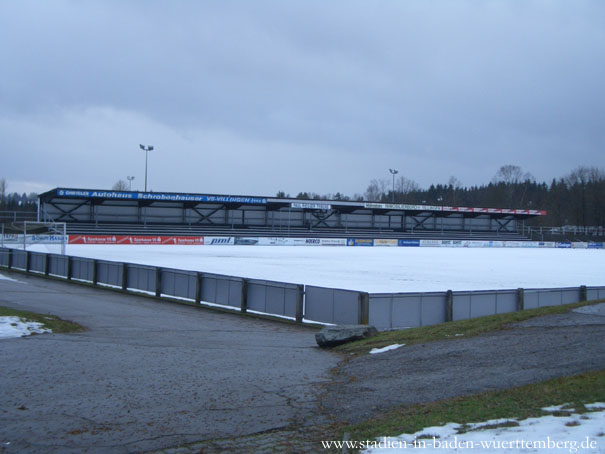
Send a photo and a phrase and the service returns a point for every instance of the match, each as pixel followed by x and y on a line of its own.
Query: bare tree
pixel 120 185
pixel 516 182
pixel 511 174
pixel 404 185
pixel 454 185
pixel 377 190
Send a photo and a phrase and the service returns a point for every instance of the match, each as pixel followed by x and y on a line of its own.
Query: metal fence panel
pixel 570 295
pixel 595 293
pixel 331 305
pixel 82 268
pixel 182 284
pixel 346 307
pixel 37 262
pixel 380 311
pixel 19 258
pixel 319 304
pixel 223 290
pixel 531 299
pixel 4 256
pixel 276 298
pixel 109 273
pixel 461 306
pixel 57 265
pixel 406 311
pixel 434 308
pixel 482 304
pixel 141 277
pixel 535 298
pixel 506 301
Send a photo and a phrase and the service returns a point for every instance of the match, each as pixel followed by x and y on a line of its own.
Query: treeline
pixel 577 198
pixel 15 201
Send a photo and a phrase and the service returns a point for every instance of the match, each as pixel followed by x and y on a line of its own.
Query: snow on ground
pixel 577 433
pixel 11 326
pixel 374 351
pixel 6 278
pixel 374 269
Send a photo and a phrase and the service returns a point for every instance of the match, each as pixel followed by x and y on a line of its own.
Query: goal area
pixel 44 236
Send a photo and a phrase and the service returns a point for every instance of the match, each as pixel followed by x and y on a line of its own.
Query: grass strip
pixel 51 322
pixel 516 403
pixel 460 329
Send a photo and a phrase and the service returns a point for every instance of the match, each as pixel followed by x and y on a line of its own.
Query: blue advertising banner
pixel 360 242
pixel 595 245
pixel 409 243
pixel 160 197
pixel 564 245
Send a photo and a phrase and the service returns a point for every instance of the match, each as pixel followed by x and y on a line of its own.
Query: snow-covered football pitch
pixel 373 269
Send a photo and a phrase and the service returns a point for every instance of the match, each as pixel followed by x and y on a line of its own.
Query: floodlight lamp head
pixel 150 147
pixel 141 147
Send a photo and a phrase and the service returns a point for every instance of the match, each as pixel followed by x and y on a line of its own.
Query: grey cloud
pixel 439 88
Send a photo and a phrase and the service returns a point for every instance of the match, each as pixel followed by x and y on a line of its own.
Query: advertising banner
pixel 274 241
pixel 495 244
pixel 547 244
pixel 219 241
pixel 512 243
pixel 431 243
pixel 301 242
pixel 563 245
pixel 360 242
pixel 408 243
pixel 595 245
pixel 381 242
pixel 96 239
pixel 401 206
pixel 247 241
pixel 333 242
pixel 135 239
pixel 451 243
pixel 311 205
pixel 525 244
pixel 42 239
pixel 159 197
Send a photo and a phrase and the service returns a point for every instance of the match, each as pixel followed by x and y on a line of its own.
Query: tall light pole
pixel 146 149
pixel 129 178
pixel 393 172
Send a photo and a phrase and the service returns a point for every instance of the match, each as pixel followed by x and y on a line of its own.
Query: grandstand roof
pixel 193 199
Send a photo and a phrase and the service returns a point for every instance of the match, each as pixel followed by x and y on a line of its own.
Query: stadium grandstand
pixel 102 212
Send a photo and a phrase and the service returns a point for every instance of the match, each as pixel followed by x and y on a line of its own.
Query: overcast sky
pixel 253 97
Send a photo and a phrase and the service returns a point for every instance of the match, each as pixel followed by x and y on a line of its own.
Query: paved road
pixel 148 375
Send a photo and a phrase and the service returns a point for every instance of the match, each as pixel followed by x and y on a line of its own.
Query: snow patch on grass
pixel 573 433
pixel 385 349
pixel 11 326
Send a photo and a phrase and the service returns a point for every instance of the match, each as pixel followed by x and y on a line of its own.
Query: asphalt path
pixel 148 375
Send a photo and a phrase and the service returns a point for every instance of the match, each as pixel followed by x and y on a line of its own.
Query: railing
pixel 17 216
pixel 573 230
pixel 293 301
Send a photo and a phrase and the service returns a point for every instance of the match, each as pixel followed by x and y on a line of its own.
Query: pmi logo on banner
pixel 219 241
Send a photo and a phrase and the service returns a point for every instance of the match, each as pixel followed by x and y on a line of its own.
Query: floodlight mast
pixel 393 172
pixel 146 149
pixel 130 178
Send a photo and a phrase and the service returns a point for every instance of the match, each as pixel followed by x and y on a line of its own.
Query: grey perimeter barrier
pixel 293 301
